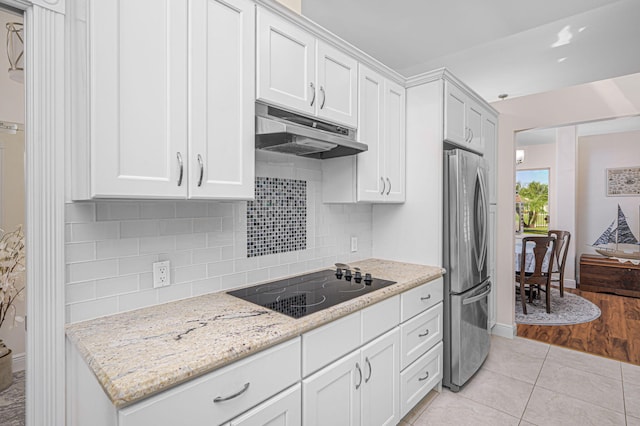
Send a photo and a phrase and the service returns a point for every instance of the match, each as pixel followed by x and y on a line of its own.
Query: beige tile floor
pixel 524 382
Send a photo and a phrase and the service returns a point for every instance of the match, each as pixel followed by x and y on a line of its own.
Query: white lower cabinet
pixel 283 409
pixel 359 389
pixel 419 378
pixel 223 394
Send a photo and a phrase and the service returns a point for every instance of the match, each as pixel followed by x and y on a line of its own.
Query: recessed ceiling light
pixel 582 29
pixel 562 59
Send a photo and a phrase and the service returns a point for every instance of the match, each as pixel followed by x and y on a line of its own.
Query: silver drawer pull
pixel 201 169
pixel 370 370
pixel 426 333
pixel 360 374
pixel 181 165
pixel 226 398
pixel 424 378
pixel 426 298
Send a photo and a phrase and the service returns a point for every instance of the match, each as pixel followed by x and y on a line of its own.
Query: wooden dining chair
pixel 539 277
pixel 563 239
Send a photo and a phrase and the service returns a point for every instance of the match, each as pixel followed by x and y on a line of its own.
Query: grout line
pixel 535 384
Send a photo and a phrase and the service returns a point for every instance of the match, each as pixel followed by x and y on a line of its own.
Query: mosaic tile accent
pixel 277 219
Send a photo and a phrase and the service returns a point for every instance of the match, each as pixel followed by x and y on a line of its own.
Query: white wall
pixel 597 211
pixel 11 92
pixel 12 169
pixel 111 245
pixel 600 100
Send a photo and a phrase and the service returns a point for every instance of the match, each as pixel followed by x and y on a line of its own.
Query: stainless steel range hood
pixel 282 131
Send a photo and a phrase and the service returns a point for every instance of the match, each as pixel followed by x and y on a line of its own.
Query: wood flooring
pixel 616 334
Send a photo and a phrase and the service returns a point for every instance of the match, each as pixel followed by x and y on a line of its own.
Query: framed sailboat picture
pixel 623 181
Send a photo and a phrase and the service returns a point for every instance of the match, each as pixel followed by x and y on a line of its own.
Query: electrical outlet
pixel 161 274
pixel 354 244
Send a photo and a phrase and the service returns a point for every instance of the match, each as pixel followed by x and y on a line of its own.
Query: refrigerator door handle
pixel 481 296
pixel 481 213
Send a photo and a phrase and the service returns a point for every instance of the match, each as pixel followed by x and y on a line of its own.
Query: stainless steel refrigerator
pixel 467 285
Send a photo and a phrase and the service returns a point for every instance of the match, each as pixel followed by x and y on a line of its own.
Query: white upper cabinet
pixel 138 99
pixel 377 175
pixel 462 119
pixel 298 72
pixel 221 107
pixel 155 112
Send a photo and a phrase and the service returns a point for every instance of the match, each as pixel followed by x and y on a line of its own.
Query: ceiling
pixel 515 47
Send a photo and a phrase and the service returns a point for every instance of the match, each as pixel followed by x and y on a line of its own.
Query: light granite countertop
pixel 139 353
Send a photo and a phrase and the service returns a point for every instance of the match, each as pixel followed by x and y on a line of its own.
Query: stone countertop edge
pixel 139 353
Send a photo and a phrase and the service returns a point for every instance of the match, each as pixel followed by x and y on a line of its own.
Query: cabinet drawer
pixel 267 373
pixel 421 298
pixel 283 409
pixel 329 342
pixel 419 378
pixel 419 334
pixel 380 318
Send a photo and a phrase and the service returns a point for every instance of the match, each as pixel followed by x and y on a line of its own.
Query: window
pixel 532 201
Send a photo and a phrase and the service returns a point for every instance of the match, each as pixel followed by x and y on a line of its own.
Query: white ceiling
pixel 494 46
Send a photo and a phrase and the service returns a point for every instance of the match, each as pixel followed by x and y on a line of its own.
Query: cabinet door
pixel 221 113
pixel 380 389
pixel 286 64
pixel 474 126
pixel 394 142
pixel 337 86
pixel 455 126
pixel 489 135
pixel 332 395
pixel 283 409
pixel 139 98
pixel 371 132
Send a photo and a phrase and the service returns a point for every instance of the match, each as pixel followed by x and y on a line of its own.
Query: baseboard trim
pixel 570 283
pixel 504 330
pixel 19 362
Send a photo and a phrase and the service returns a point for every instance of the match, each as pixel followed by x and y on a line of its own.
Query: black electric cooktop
pixel 305 294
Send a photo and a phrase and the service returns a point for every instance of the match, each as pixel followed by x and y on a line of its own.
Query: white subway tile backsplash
pixel 141 299
pixel 111 245
pixel 117 248
pixel 80 212
pixel 158 210
pixel 233 280
pixel 136 264
pixel 93 231
pixel 117 211
pixel 115 286
pixel 219 268
pixel 221 209
pixel 157 244
pixel 191 209
pixel 241 265
pixel 92 309
pixel 174 292
pixel 139 228
pixel 208 285
pixel 188 274
pixel 190 241
pixel 79 252
pixel 257 275
pixel 85 271
pixel 208 255
pixel 80 292
pixel 207 224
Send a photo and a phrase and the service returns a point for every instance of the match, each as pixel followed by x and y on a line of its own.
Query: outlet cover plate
pixel 161 274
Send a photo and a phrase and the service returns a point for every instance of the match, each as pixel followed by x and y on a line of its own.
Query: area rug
pixel 12 402
pixel 570 309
